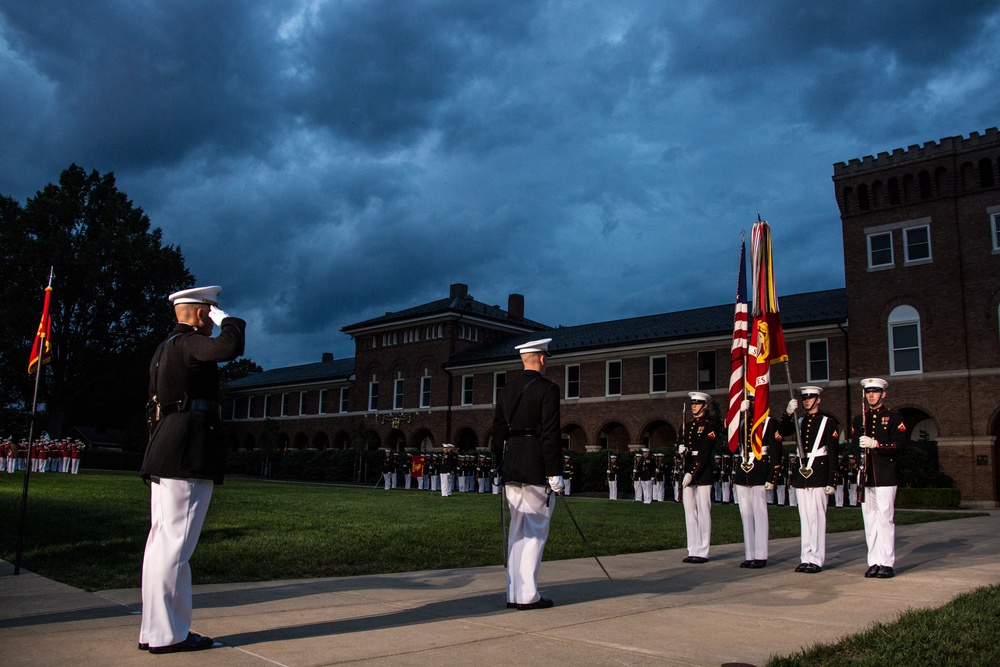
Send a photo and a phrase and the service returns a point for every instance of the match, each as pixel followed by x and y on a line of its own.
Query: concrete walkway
pixel 657 611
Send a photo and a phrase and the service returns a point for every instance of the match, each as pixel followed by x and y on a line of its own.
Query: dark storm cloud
pixel 329 161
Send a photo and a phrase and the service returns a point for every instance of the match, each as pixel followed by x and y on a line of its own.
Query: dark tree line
pixel 109 308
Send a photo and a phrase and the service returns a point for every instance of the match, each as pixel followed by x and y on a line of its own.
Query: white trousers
pixel 838 496
pixel 435 481
pixel 852 495
pixel 812 517
pixel 644 491
pixel 781 494
pixel 529 530
pixel 725 492
pixel 613 489
pixel 177 509
pixel 753 510
pixel 879 511
pixel 567 482
pixel 496 485
pixel 446 478
pixel 658 491
pixel 698 519
pixel 793 500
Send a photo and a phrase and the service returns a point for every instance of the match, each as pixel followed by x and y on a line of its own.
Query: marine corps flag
pixel 767 342
pixel 41 350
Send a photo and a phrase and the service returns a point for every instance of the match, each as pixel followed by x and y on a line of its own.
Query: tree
pixel 240 368
pixel 109 309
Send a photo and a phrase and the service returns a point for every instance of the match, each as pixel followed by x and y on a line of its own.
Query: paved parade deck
pixel 657 611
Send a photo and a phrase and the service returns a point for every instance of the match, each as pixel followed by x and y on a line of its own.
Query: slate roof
pixel 809 309
pixel 460 304
pixel 324 370
pixel 812 308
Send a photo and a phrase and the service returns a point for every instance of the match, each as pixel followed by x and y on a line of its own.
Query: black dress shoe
pixel 689 559
pixel 143 646
pixel 757 564
pixel 746 563
pixel 541 603
pixel 801 567
pixel 872 571
pixel 812 568
pixel 194 642
pixel 698 560
pixel 885 572
pixel 511 605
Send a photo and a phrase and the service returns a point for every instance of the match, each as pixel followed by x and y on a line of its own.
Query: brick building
pixel 921 242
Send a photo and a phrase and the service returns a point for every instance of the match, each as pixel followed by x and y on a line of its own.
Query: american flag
pixel 738 353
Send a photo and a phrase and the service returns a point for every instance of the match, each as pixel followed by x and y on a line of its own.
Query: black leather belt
pixel 523 433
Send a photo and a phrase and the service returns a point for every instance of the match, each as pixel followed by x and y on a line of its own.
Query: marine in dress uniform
pixel 388 470
pixel 842 472
pixel 642 477
pixel 527 439
pixel 659 477
pixel 881 434
pixel 613 477
pixel 820 433
pixel 184 459
pixel 852 480
pixel 567 474
pixel 446 469
pixel 697 440
pixel 751 487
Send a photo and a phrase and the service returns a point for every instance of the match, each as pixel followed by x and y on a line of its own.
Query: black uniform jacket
pixel 185 443
pixel 768 468
pixel 699 436
pixel 643 468
pixel 824 467
pixel 531 433
pixel 881 463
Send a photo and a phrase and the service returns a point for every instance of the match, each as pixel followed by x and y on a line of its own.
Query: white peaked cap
pixel 810 391
pixel 541 345
pixel 874 383
pixel 700 396
pixel 207 295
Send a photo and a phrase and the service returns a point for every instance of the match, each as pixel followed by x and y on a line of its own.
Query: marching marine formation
pixel 696 442
pixel 184 460
pixel 527 437
pixel 881 433
pixel 813 477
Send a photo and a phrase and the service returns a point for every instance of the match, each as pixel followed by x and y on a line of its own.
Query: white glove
pixel 867 442
pixel 745 406
pixel 217 315
pixel 687 480
pixel 829 490
pixel 681 449
pixel 556 483
pixel 793 405
pixel 768 486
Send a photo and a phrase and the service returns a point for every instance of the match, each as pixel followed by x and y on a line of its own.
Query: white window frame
pixel 608 377
pixel 267 406
pixel 809 360
pixel 499 380
pixel 373 396
pixel 398 387
pixel 906 246
pixel 285 398
pixel 249 406
pixel 995 231
pixel 324 396
pixel 904 316
pixel 302 402
pixel 345 399
pixel 567 382
pixel 470 389
pixel 892 257
pixel 425 391
pixel 652 390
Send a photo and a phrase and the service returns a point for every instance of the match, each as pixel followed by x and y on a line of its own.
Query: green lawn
pixel 89 530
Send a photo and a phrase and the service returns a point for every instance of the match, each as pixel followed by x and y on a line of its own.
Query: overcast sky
pixel 326 162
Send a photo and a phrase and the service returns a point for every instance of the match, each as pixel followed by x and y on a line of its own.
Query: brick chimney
pixel 459 291
pixel 515 306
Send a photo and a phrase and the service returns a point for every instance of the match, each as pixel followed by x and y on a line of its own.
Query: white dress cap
pixel 207 295
pixel 541 345
pixel 700 396
pixel 874 383
pixel 810 391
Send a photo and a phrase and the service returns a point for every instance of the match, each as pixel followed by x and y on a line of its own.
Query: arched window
pixel 985 173
pixel 894 190
pixel 848 196
pixel 904 341
pixel 863 197
pixel 924 181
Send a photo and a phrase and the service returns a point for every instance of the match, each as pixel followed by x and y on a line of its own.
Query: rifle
pixel 863 464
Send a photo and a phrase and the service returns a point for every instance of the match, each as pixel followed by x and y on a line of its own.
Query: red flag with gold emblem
pixel 41 350
pixel 767 341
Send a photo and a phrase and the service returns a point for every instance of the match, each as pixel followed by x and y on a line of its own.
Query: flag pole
pixel 31 428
